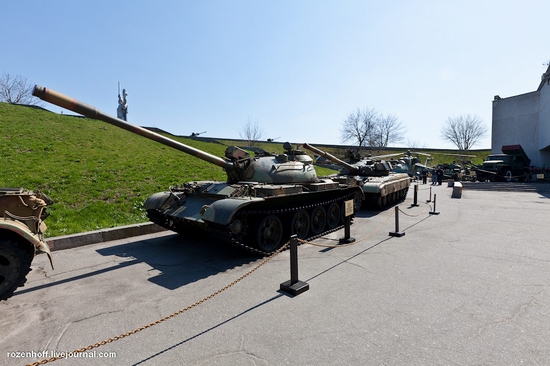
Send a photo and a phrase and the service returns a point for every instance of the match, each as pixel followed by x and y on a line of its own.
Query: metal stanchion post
pixel 294 286
pixel 434 212
pixel 430 200
pixel 348 208
pixel 397 232
pixel 415 201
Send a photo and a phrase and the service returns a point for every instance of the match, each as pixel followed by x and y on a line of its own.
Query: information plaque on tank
pixel 348 208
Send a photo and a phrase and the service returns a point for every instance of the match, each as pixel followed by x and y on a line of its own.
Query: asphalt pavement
pixel 468 284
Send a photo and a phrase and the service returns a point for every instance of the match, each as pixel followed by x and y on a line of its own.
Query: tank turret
pixel 367 167
pixel 265 199
pixel 381 187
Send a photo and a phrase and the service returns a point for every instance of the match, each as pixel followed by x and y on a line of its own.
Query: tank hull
pixel 257 216
pixel 382 192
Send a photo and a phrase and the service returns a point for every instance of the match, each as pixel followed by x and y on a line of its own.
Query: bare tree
pixel 17 90
pixel 251 132
pixel 359 126
pixel 368 128
pixel 464 131
pixel 388 130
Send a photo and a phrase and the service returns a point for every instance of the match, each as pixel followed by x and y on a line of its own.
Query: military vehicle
pixel 459 171
pixel 381 187
pixel 511 164
pixel 265 199
pixel 21 235
pixel 408 163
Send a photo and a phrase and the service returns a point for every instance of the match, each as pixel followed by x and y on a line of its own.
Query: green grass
pixel 98 175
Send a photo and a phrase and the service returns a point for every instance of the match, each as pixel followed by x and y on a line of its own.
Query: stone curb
pixel 99 236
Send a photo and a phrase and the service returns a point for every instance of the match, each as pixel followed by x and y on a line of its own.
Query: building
pixel 524 119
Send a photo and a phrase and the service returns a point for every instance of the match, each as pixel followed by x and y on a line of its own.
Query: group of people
pixel 437 176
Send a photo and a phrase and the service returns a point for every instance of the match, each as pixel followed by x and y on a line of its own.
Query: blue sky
pixel 296 67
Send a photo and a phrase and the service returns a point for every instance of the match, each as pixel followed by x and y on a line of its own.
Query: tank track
pixel 377 202
pixel 280 212
pixel 224 233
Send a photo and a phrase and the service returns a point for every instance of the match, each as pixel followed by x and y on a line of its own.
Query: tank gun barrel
pixel 330 157
pixel 76 106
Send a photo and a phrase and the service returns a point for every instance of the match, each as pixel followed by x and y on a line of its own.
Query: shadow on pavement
pixel 181 261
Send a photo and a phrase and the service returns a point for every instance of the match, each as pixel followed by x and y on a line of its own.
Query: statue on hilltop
pixel 122 110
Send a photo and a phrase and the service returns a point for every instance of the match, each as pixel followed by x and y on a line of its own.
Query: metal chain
pixel 407 214
pixel 283 247
pixel 116 338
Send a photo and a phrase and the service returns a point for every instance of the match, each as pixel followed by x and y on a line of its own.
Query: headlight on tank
pixel 236 226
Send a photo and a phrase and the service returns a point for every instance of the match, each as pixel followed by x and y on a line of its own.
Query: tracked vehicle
pixel 265 199
pixel 22 215
pixel 381 187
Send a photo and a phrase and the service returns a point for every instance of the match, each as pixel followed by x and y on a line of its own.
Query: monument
pixel 122 110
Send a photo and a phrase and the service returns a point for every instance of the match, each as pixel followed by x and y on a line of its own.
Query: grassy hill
pixel 98 175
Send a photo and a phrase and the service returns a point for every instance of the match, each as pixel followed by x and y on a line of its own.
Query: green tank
pixel 381 187
pixel 266 198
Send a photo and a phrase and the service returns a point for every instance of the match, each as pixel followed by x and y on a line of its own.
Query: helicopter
pixel 408 163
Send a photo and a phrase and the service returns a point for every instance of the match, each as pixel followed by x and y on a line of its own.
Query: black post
pixel 348 212
pixel 347 232
pixel 434 212
pixel 415 202
pixel 430 200
pixel 294 286
pixel 397 232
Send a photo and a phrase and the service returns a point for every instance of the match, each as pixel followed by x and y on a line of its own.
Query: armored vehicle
pixel 22 215
pixel 512 163
pixel 381 187
pixel 265 199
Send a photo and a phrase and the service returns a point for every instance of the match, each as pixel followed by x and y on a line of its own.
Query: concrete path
pixel 469 286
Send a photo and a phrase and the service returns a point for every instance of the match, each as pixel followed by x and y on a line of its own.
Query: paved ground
pixel 469 286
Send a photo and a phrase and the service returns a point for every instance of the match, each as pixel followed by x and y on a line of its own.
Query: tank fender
pixel 23 231
pixel 222 211
pixel 156 201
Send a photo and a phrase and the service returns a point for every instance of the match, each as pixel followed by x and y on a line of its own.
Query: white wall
pixel 515 121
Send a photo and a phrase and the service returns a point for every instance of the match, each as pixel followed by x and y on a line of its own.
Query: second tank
pixel 381 187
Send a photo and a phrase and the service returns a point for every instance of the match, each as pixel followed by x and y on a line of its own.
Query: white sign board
pixel 348 209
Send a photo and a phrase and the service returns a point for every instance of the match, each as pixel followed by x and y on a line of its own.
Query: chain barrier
pixel 124 335
pixel 181 311
pixel 407 214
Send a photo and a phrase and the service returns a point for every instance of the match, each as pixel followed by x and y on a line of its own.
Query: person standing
pixel 439 174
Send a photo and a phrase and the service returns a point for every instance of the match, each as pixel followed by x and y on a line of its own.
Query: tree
pixel 359 125
pixel 388 129
pixel 368 128
pixel 17 90
pixel 464 131
pixel 251 132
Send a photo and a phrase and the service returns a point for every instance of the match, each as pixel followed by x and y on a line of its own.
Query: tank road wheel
pixel 358 201
pixel 379 202
pixel 270 233
pixel 508 176
pixel 300 224
pixel 318 220
pixel 15 264
pixel 333 215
